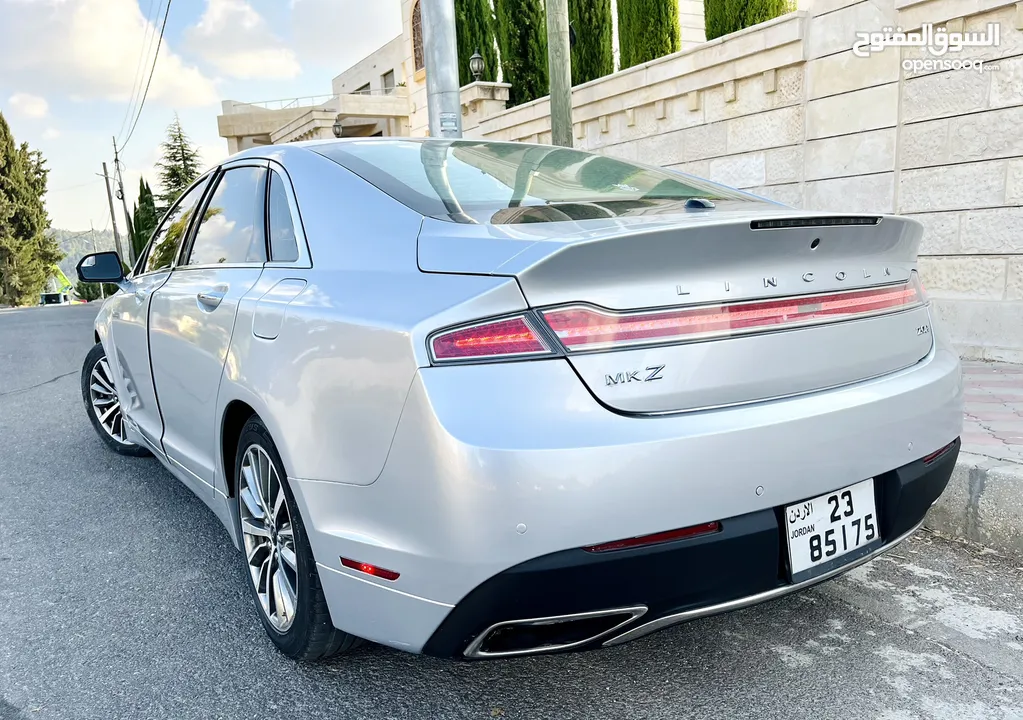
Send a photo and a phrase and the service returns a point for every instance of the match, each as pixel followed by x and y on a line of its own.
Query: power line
pixel 147 44
pixel 156 55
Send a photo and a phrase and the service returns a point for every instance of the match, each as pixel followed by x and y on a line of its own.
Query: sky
pixel 68 69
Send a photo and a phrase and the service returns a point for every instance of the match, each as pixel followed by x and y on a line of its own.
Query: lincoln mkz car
pixel 481 400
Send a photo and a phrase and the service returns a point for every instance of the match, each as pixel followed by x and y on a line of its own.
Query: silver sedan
pixel 485 399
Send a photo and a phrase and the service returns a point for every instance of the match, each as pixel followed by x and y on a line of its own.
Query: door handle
pixel 211 298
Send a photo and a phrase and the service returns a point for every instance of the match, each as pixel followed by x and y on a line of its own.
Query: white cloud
pixel 51 133
pixel 339 33
pixel 239 43
pixel 30 106
pixel 90 49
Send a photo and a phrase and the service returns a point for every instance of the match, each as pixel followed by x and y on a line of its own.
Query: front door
pixel 193 313
pixel 127 346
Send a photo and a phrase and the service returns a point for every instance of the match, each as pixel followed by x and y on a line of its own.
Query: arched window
pixel 418 54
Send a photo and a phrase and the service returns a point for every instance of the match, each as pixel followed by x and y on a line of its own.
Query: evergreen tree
pixel 647 29
pixel 522 38
pixel 728 16
pixel 592 56
pixel 144 218
pixel 179 166
pixel 474 30
pixel 27 253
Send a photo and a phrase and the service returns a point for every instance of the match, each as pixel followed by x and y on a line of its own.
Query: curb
pixel 983 503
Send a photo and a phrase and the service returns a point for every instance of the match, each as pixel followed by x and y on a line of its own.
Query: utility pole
pixel 559 57
pixel 124 205
pixel 113 217
pixel 443 96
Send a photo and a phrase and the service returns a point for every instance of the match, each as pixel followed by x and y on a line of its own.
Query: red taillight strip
pixel 584 328
pixel 657 538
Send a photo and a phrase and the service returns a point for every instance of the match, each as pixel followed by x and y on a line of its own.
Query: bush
pixel 722 17
pixel 647 29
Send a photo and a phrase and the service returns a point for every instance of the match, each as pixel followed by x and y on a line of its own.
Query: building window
pixel 387 80
pixel 418 54
pixel 364 90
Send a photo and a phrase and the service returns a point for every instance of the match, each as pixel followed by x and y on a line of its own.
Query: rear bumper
pixel 495 467
pixel 742 565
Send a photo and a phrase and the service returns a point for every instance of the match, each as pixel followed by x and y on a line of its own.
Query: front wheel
pixel 284 582
pixel 103 404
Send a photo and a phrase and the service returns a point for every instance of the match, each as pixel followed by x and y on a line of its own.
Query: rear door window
pixel 231 229
pixel 283 238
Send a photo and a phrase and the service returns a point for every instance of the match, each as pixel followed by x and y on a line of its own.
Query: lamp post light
pixel 337 128
pixel 477 65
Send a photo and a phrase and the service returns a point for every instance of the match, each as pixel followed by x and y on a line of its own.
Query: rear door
pixel 193 315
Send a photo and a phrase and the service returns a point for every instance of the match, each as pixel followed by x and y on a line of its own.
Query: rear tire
pixel 103 404
pixel 283 579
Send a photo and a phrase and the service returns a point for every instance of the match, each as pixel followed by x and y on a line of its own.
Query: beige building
pixel 787 110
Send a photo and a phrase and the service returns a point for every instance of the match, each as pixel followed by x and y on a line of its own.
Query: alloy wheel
pixel 105 402
pixel 269 537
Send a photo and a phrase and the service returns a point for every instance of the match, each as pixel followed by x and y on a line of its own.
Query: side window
pixel 167 239
pixel 231 230
pixel 283 239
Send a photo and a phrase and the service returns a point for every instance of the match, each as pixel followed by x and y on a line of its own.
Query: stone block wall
pixel 787 111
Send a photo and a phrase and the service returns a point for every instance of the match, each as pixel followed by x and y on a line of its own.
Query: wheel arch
pixel 236 414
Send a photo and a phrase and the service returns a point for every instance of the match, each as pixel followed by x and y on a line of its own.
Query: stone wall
pixel 786 110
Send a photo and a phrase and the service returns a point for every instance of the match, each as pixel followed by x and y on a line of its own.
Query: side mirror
pixel 104 267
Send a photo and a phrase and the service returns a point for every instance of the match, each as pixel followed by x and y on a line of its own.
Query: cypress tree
pixel 27 253
pixel 179 166
pixel 474 30
pixel 144 218
pixel 722 17
pixel 522 38
pixel 592 56
pixel 647 29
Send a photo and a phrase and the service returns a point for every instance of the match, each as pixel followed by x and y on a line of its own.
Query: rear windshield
pixel 513 182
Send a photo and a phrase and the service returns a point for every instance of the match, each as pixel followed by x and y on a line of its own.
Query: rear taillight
pixel 586 328
pixel 506 338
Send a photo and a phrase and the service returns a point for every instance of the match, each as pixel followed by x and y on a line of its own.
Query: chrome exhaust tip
pixel 515 638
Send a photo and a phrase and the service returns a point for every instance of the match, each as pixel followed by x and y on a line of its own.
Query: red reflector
pixel 584 328
pixel 500 338
pixel 369 569
pixel 938 453
pixel 656 538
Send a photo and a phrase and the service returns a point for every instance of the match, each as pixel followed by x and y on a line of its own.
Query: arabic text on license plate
pixel 829 526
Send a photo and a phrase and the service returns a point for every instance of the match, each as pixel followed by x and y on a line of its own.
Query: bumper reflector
pixel 657 538
pixel 938 453
pixel 369 569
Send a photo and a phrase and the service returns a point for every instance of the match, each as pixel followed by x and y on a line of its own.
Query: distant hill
pixel 74 244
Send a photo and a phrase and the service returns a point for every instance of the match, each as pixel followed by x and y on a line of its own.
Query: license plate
pixel 830 526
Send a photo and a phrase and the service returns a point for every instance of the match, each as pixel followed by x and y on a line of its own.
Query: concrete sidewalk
pixel 984 499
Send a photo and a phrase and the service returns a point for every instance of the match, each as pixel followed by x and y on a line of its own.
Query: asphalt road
pixel 120 597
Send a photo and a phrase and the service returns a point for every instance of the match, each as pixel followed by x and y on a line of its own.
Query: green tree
pixel 144 218
pixel 647 29
pixel 592 56
pixel 179 166
pixel 522 38
pixel 474 30
pixel 728 16
pixel 27 252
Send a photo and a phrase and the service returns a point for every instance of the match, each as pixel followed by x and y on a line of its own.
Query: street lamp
pixel 337 127
pixel 477 65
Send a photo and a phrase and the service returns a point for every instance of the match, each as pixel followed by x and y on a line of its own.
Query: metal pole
pixel 559 59
pixel 443 98
pixel 113 218
pixel 124 205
